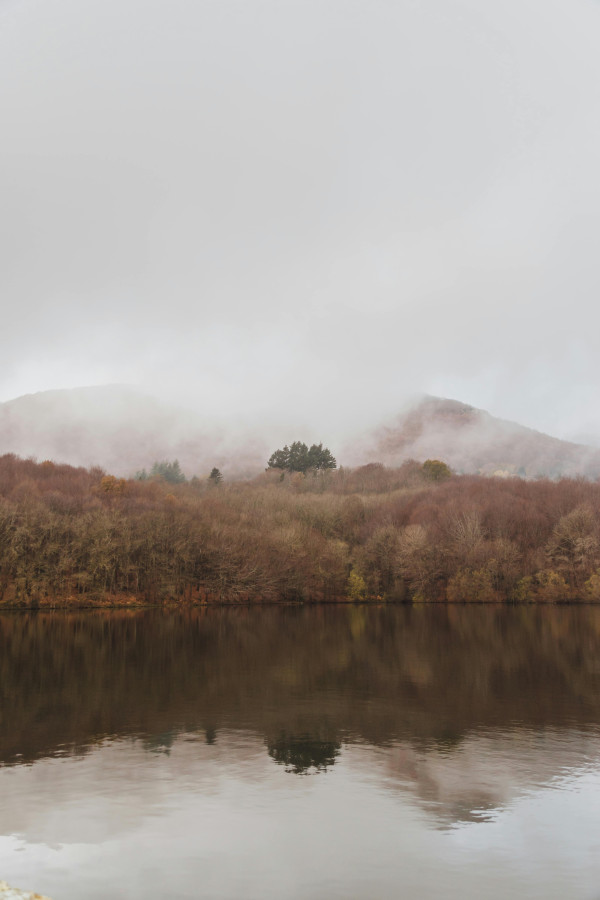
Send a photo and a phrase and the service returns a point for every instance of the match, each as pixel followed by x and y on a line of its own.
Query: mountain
pixel 122 430
pixel 471 440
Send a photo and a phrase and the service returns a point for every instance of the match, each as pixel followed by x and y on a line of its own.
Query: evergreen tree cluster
pixel 168 471
pixel 301 458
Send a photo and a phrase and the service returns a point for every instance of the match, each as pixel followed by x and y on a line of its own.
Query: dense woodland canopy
pixel 77 536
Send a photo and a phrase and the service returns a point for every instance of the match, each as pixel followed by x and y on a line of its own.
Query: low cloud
pixel 304 213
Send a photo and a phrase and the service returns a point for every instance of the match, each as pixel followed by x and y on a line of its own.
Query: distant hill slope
pixel 471 440
pixel 121 430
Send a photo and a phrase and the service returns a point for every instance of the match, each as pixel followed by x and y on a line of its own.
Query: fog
pixel 304 212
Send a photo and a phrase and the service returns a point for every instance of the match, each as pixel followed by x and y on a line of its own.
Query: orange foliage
pixel 84 534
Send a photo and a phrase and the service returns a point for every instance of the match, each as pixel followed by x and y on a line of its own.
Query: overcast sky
pixel 310 205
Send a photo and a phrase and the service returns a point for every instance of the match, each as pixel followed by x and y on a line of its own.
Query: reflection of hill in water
pixel 130 781
pixel 423 674
pixel 489 770
pixel 439 688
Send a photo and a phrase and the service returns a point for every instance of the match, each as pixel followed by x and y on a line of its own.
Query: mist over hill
pixel 472 441
pixel 122 429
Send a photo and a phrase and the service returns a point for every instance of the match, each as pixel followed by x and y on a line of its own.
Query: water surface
pixel 302 752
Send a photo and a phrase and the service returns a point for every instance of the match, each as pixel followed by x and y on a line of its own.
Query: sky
pixel 273 208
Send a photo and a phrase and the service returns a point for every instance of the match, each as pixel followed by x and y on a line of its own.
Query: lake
pixel 302 752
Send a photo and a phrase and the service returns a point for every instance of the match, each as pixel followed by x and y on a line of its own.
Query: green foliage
pixel 319 457
pixel 280 459
pixel 547 586
pixel 592 587
pixel 552 586
pixel 215 476
pixel 298 457
pixel 436 470
pixel 357 587
pixel 169 471
pixel 301 458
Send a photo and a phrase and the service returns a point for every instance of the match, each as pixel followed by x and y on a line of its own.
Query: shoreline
pixel 9 893
pixel 175 606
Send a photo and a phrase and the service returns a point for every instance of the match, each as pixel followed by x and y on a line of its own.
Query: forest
pixel 80 537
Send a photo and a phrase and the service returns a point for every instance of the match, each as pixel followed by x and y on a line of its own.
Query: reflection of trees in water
pixel 301 753
pixel 427 675
pixel 160 743
pixel 425 682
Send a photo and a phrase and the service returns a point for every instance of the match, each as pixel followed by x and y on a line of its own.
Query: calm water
pixel 348 752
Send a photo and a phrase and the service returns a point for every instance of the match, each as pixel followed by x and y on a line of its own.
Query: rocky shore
pixel 9 893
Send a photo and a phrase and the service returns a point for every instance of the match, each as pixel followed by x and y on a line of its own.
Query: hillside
pixel 76 537
pixel 472 441
pixel 122 430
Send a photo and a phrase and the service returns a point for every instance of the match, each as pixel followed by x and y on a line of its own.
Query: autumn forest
pixel 79 537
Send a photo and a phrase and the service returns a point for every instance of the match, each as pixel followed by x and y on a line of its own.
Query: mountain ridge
pixel 119 428
pixel 123 429
pixel 471 440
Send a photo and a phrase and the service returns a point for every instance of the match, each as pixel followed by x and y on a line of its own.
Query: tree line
pixel 417 532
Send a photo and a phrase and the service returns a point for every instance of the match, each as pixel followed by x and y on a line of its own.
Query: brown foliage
pixel 81 536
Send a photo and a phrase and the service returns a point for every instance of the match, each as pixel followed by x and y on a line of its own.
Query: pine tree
pixel 170 471
pixel 300 458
